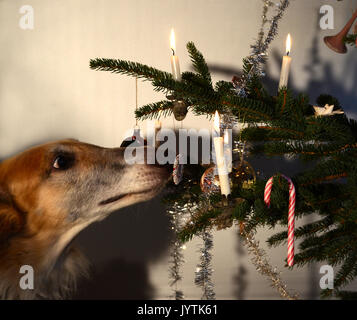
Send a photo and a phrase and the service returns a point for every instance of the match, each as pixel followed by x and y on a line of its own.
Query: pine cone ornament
pixel 180 110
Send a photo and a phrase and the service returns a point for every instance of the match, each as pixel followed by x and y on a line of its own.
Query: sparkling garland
pixel 256 61
pixel 203 274
pixel 262 265
pixel 259 49
pixel 176 213
pixel 178 217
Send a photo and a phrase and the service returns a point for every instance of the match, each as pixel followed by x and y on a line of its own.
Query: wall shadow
pixel 321 80
pixel 120 249
pixel 117 279
pixel 240 279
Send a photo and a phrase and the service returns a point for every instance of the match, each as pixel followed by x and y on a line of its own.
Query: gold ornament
pixel 179 110
pixel 243 174
pixel 210 180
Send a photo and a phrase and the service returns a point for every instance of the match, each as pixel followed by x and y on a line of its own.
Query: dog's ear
pixel 11 220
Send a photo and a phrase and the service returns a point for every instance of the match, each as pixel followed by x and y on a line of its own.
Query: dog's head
pixel 55 190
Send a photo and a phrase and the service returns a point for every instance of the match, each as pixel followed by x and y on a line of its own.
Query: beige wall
pixel 47 90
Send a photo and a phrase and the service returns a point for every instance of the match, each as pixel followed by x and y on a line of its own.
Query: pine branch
pixel 347 295
pixel 195 79
pixel 199 63
pixel 351 39
pixel 129 68
pixel 347 272
pixel 200 221
pixel 154 110
pixel 287 125
pixel 306 230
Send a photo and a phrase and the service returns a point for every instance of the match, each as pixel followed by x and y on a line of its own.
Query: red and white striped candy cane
pixel 291 217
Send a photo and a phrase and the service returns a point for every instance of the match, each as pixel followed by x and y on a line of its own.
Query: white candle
pixel 220 159
pixel 175 65
pixel 228 148
pixel 285 68
pixel 157 130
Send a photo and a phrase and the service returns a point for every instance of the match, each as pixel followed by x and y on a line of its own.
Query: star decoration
pixel 327 110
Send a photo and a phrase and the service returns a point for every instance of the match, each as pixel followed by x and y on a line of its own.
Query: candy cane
pixel 291 216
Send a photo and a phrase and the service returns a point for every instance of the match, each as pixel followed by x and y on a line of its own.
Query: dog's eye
pixel 62 162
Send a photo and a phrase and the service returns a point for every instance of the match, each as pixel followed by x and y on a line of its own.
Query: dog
pixel 48 195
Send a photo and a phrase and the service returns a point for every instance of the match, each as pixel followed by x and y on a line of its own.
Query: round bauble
pixel 179 110
pixel 136 140
pixel 243 174
pixel 210 181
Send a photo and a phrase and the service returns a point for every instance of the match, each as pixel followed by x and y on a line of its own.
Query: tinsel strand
pixel 176 213
pixel 260 261
pixel 260 48
pixel 204 271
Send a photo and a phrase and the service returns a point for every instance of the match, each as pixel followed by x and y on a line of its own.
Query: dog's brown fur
pixel 43 207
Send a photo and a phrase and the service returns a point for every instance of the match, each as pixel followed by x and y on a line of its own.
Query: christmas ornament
pixel 177 173
pixel 326 111
pixel 210 180
pixel 136 140
pixel 238 149
pixel 291 214
pixel 243 174
pixel 179 110
pixel 336 42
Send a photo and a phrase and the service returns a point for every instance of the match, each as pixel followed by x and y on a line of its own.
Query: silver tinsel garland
pixel 203 274
pixel 176 213
pixel 262 265
pixel 257 60
pixel 204 271
pixel 260 48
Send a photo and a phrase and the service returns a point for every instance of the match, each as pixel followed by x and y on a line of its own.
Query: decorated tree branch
pixel 284 124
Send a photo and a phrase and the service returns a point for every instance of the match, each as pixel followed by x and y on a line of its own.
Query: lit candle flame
pixel 288 44
pixel 216 122
pixel 173 42
pixel 157 124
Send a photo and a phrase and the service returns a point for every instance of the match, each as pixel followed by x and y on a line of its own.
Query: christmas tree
pixel 276 125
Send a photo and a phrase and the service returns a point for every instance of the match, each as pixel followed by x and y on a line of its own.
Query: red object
pixel 336 42
pixel 291 215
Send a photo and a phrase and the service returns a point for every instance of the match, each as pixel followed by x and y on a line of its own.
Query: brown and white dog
pixel 48 194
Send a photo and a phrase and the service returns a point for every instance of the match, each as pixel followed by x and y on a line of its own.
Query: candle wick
pixel 288 53
pixel 173 51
